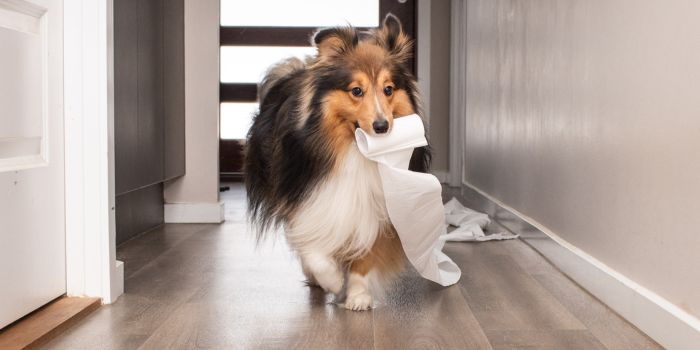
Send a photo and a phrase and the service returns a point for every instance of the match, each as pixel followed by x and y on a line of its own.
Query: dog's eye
pixel 388 90
pixel 357 92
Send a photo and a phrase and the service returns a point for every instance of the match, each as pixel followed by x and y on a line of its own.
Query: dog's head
pixel 364 76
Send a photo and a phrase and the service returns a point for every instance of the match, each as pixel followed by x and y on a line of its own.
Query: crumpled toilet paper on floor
pixel 414 201
pixel 470 224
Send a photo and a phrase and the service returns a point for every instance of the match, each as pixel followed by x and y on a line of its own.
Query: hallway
pixel 207 286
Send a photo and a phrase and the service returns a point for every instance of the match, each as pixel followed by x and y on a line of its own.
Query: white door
pixel 32 218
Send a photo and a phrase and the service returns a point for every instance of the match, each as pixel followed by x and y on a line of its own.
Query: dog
pixel 304 172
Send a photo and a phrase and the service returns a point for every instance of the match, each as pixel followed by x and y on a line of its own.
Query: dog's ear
pixel 391 37
pixel 335 41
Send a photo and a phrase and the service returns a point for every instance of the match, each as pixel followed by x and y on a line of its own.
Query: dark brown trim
pixel 406 12
pixel 231 177
pixel 237 92
pixel 266 36
pixel 231 154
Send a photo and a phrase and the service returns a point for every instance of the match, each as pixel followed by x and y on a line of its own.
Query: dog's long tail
pixel 278 72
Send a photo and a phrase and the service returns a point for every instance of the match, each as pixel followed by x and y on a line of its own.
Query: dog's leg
pixel 358 296
pixel 324 271
pixel 385 261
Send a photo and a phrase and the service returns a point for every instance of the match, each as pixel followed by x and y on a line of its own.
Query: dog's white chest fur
pixel 343 214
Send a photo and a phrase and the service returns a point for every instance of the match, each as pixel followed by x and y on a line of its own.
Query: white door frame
pixel 91 266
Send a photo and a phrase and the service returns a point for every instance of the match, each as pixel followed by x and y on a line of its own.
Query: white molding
pixel 194 213
pixel 22 163
pixel 29 18
pixel 423 55
pixel 91 266
pixel 22 16
pixel 663 321
pixel 117 285
pixel 458 81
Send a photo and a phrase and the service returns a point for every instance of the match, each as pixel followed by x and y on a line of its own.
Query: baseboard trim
pixel 663 321
pixel 194 213
pixel 118 282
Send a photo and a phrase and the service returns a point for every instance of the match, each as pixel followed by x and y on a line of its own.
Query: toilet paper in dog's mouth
pixel 413 200
pixel 396 147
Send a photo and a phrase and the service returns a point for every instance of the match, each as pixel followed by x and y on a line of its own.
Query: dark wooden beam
pixel 266 36
pixel 237 92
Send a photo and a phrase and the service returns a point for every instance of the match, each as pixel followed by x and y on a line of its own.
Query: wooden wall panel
pixel 125 94
pixel 149 108
pixel 174 88
pixel 138 211
pixel 150 90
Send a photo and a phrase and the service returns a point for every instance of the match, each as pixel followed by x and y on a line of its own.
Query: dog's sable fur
pixel 301 145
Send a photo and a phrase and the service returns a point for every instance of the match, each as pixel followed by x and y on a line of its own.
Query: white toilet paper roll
pixel 413 200
pixel 396 147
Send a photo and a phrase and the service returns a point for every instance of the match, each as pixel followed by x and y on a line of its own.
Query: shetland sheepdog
pixel 304 172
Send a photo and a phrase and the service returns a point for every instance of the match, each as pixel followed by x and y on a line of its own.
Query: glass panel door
pixel 307 13
pixel 254 35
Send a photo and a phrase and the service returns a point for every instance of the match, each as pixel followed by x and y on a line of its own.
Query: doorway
pixel 255 36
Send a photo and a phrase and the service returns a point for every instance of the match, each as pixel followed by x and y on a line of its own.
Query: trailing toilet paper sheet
pixel 413 200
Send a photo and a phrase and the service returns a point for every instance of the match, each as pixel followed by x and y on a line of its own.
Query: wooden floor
pixel 207 286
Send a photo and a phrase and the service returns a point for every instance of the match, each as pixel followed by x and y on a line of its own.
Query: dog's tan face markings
pixel 368 60
pixel 371 97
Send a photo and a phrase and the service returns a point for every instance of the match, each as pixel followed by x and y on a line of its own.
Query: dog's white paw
pixel 325 272
pixel 359 302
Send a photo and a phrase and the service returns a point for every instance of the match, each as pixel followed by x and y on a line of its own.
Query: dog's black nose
pixel 381 126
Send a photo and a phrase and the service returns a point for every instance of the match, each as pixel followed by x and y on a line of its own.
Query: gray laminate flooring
pixel 209 287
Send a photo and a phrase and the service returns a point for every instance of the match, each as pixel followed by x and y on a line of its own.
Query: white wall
pixel 585 116
pixel 200 185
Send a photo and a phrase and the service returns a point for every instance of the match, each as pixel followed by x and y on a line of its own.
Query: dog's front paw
pixel 359 302
pixel 325 272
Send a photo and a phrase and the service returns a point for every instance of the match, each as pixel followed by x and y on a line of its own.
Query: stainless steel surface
pixel 585 116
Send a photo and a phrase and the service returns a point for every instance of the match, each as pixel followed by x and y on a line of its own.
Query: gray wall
pixel 585 116
pixel 149 108
pixel 439 82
